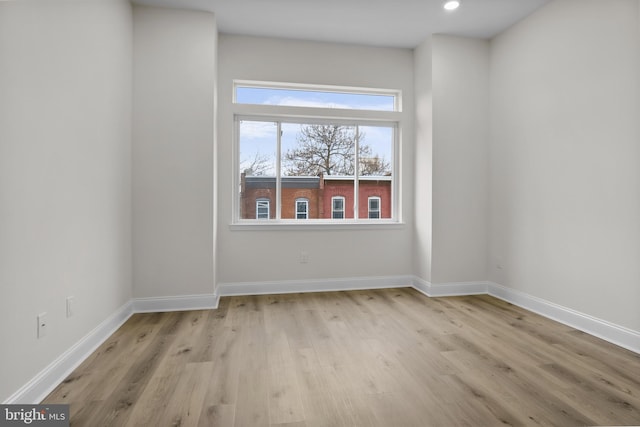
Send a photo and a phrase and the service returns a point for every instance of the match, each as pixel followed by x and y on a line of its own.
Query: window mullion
pixel 356 173
pixel 278 174
pixel 395 167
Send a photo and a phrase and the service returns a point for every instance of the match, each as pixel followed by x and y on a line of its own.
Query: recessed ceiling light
pixel 452 4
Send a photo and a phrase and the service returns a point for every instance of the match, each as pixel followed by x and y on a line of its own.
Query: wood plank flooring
pixel 389 357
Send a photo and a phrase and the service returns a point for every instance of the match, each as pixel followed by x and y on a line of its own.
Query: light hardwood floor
pixel 388 357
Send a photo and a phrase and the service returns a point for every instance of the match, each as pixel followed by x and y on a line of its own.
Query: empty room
pixel 337 213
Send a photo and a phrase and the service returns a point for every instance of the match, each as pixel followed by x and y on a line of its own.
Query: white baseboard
pixel 449 289
pixel 323 285
pixel 421 286
pixel 616 334
pixel 610 332
pixel 51 376
pixel 175 303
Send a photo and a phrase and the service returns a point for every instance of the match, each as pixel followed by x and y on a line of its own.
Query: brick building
pixel 315 197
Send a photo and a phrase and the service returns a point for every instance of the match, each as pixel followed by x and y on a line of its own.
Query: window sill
pixel 306 225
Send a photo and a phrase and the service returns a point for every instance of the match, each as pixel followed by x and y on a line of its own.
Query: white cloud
pixel 292 101
pixel 256 130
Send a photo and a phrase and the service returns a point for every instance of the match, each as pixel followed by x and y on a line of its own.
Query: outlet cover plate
pixel 42 325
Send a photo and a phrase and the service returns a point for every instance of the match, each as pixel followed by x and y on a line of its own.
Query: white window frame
pixel 268 202
pixel 378 211
pixel 333 207
pixel 311 115
pixel 306 204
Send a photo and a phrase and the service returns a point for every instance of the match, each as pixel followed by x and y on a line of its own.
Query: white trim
pixel 615 334
pixel 50 377
pixel 434 290
pixel 344 207
pixel 421 285
pixel 603 329
pixel 351 178
pixel 313 115
pixel 394 125
pixel 378 211
pixel 458 288
pixel 315 87
pixel 316 224
pixel 262 201
pixel 305 201
pixel 321 285
pixel 175 303
pixel 278 169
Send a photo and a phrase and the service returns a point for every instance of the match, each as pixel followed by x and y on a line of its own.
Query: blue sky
pixel 307 98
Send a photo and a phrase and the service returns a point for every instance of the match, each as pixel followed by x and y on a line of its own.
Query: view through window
pixel 316 169
pixel 257 95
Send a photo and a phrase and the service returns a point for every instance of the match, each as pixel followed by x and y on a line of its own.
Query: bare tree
pixel 330 150
pixel 372 164
pixel 258 165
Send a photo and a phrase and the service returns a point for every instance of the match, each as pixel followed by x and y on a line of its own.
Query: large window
pixel 315 166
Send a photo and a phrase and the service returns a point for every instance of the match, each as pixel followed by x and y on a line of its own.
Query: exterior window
pixel 300 165
pixel 262 209
pixel 374 207
pixel 302 209
pixel 257 93
pixel 337 207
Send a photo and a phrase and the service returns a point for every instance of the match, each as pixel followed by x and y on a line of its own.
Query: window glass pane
pixel 257 154
pixel 318 149
pixel 313 98
pixel 318 163
pixel 376 150
pixel 374 208
pixel 262 209
pixel 375 194
pixel 301 209
pixel 375 168
pixel 337 208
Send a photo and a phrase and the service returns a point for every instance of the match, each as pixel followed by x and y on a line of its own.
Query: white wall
pixel 565 180
pixel 65 175
pixel 460 82
pixel 249 256
pixel 174 79
pixel 423 165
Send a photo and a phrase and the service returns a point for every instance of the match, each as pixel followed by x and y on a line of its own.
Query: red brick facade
pixel 369 188
pixel 318 192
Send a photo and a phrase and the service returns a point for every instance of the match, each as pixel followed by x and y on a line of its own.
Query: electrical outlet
pixel 304 257
pixel 71 302
pixel 42 325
